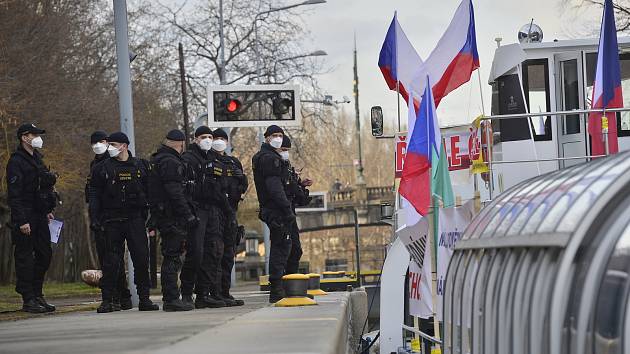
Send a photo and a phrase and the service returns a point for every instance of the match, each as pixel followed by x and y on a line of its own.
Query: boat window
pixel 510 101
pixel 623 118
pixel 536 87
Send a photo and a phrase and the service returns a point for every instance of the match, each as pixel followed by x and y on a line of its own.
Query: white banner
pixel 415 238
pixel 453 222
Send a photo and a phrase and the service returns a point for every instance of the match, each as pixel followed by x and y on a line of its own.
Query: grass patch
pixel 51 290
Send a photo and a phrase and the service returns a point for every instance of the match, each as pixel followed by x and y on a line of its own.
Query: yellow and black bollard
pixel 295 287
pixel 314 285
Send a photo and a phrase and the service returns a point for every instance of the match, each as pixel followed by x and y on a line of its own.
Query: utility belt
pixel 122 214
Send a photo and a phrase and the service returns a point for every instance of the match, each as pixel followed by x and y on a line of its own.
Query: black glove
pixel 96 226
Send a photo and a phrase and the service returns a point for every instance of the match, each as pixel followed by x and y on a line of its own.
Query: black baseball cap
pixel 273 129
pixel 29 128
pixel 118 137
pixel 176 135
pixel 219 133
pixel 98 136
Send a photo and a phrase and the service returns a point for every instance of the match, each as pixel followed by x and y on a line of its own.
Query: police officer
pixel 201 248
pixel 275 208
pixel 118 207
pixel 298 194
pixel 31 198
pixel 234 184
pixel 122 296
pixel 172 212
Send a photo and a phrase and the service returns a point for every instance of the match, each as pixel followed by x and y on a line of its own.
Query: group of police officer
pixel 190 196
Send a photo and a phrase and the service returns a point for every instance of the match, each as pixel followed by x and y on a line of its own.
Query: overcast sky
pixel 332 26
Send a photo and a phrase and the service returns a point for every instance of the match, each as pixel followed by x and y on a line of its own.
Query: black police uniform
pixel 234 183
pixel 172 212
pixel 275 209
pixel 31 197
pixel 118 206
pixel 122 295
pixel 298 195
pixel 203 243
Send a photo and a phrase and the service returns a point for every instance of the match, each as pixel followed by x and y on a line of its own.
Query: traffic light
pixel 253 106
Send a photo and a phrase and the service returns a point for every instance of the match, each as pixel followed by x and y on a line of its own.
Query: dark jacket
pixel 97 159
pixel 24 176
pixel 118 188
pixel 297 194
pixel 207 178
pixel 269 179
pixel 234 181
pixel 168 184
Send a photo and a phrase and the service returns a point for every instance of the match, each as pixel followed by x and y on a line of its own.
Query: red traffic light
pixel 232 106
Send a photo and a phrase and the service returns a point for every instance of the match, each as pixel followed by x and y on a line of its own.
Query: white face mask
pixel 99 148
pixel 276 142
pixel 113 151
pixel 37 142
pixel 285 155
pixel 205 144
pixel 219 145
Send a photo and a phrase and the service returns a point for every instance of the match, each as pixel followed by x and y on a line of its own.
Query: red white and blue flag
pixel 425 151
pixel 398 59
pixel 455 57
pixel 607 87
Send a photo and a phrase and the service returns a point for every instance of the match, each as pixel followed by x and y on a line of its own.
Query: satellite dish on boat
pixel 530 33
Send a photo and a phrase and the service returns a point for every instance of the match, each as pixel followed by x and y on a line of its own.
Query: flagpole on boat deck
pixel 488 144
pixel 433 222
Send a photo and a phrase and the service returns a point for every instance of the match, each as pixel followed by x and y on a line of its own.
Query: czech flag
pixel 425 153
pixel 453 60
pixel 607 87
pixel 398 59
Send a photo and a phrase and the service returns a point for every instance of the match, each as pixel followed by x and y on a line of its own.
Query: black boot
pixel 125 303
pixel 106 306
pixel 33 306
pixel 46 305
pixel 276 292
pixel 208 301
pixel 231 301
pixel 188 299
pixel 176 305
pixel 147 305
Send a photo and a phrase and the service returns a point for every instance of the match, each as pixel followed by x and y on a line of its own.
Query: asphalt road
pixel 119 332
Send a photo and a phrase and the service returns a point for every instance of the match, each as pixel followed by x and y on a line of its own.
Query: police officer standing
pixel 275 208
pixel 234 184
pixel 31 198
pixel 298 195
pixel 201 245
pixel 118 207
pixel 122 296
pixel 172 212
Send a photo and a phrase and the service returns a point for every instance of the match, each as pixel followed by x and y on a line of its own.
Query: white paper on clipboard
pixel 55 230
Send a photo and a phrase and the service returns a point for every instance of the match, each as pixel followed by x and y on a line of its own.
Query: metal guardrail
pixel 422 334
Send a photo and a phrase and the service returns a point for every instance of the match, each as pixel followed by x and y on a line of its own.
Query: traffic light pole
pixel 125 104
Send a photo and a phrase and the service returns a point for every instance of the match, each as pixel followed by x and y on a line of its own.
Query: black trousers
pixel 118 230
pixel 293 261
pixel 227 259
pixel 32 255
pixel 122 292
pixel 280 250
pixel 173 238
pixel 203 244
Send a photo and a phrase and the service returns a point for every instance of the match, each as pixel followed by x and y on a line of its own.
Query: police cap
pixel 202 130
pixel 118 137
pixel 29 128
pixel 176 135
pixel 98 136
pixel 273 129
pixel 219 133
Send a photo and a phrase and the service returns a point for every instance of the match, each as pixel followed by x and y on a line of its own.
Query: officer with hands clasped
pixel 202 256
pixel 234 183
pixel 122 296
pixel 31 199
pixel 275 208
pixel 118 208
pixel 171 212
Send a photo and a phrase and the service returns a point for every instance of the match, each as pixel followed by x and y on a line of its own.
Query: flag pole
pixel 433 222
pixel 488 144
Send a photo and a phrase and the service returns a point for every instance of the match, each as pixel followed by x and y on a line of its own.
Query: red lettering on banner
pixel 414 293
pixel 455 159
